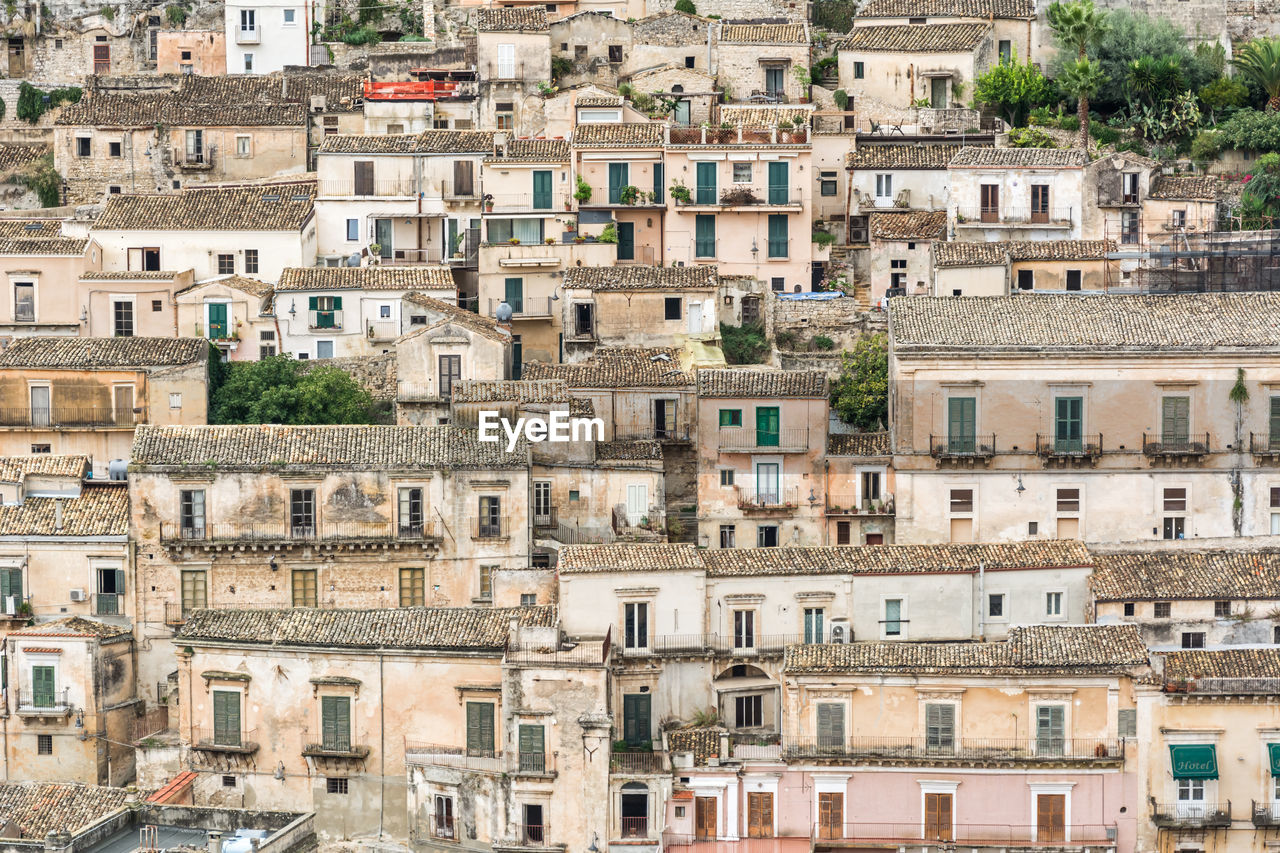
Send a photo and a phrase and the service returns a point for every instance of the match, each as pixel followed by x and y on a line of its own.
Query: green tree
pixel 745 344
pixel 1155 79
pixel 1081 80
pixel 1259 61
pixel 1251 130
pixel 1014 89
pixel 276 390
pixel 686 6
pixel 861 395
pixel 1223 94
pixel 1079 25
pixel 1128 37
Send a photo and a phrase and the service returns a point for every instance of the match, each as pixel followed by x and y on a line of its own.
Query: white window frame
pixel 986 607
pixel 285 19
pixel 903 623
pixel 1038 788
pixel 1062 604
pixel 248 145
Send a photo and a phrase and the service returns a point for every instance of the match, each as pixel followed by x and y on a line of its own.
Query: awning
pixel 1195 761
pixel 1273 750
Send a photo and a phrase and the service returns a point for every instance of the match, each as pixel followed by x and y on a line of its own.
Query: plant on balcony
pixel 823 239
pixel 488 202
pixel 739 195
pixel 680 192
pixel 579 239
pixel 375 249
pixel 515 241
pixel 582 191
pixel 24 609
pixel 609 234
pixel 550 241
pixel 644 103
pixel 456 245
pixel 629 194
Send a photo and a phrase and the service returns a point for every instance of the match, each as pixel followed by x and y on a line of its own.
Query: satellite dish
pixel 503 312
pixel 354 260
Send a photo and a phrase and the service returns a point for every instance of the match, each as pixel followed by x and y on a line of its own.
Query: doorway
pixel 635 810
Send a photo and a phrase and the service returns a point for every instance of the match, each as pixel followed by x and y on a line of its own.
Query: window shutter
pixel 1176 418
pixel 313 303
pixel 830 724
pixel 778 183
pixel 480 727
pixel 1127 722
pixel 42 686
pixel 337 303
pixel 706 184
pixel 531 740
pixel 657 183
pixel 1275 419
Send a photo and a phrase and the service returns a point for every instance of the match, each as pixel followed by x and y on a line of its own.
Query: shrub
pixel 1134 145
pixel 686 6
pixel 108 12
pixel 560 66
pixel 785 338
pixel 32 105
pixel 861 395
pixel 277 390
pixel 44 180
pixel 1071 123
pixel 176 15
pixel 363 35
pixel 1105 135
pixel 823 342
pixel 1014 89
pixel 744 344
pixel 1248 130
pixel 822 239
pixel 582 192
pixel 609 234
pixel 1030 137
pixel 1206 145
pixel 841 98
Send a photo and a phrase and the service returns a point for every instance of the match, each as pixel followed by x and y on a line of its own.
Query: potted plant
pixel 550 241
pixel 375 252
pixel 456 247
pixel 568 205
pixel 680 193
pixel 488 203
pixel 579 239
pixel 515 241
pixel 629 194
pixel 582 191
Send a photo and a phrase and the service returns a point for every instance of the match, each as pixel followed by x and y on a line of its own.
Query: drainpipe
pixel 982 598
pixel 382 747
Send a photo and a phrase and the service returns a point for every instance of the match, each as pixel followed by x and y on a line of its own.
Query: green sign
pixel 1273 751
pixel 1194 761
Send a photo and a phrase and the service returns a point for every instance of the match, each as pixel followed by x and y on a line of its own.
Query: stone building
pixel 885 69
pixel 900 252
pixel 234 312
pixel 1017 31
pixel 39 268
pixel 1017 194
pixel 514 51
pixel 859 489
pixel 620 178
pixel 965 268
pixel 755 61
pixel 641 306
pixel 153 293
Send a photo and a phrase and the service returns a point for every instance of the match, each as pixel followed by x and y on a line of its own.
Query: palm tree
pixel 1259 60
pixel 1081 80
pixel 1079 25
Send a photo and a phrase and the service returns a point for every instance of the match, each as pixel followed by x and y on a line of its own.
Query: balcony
pixel 743 198
pixel 503 72
pixel 444 827
pixel 281 534
pixel 747 440
pixel 638 763
pixel 966 834
pixel 108 604
pixel 635 827
pixel 986 217
pixel 1065 451
pixel 767 498
pixel 248 35
pixel 384 188
pixel 668 431
pixel 530 307
pixel 62 417
pixel 411 257
pixel 536 764
pixel 676 842
pixel 151 723
pixel 197 161
pixel 1056 751
pixel 383 330
pixel 713 645
pixel 962 448
pixel 1175 447
pixel 490 527
pixel 54 703
pixel 847 504
pixel 1243 686
pixel 691 136
pixel 460 758
pixel 176 613
pixel 219 740
pixel 1265 815
pixel 1265 446
pixel 465 192
pixel 1191 815
pixel 530 835
pixel 500 203
pixel 336 751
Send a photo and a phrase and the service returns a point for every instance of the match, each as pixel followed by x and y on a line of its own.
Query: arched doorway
pixel 635 810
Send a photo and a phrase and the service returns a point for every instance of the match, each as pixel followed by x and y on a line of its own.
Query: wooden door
pixel 123 404
pixel 760 814
pixel 362 171
pixel 990 202
pixel 831 815
pixel 1039 202
pixel 705 818
pixel 1051 817
pixel 937 817
pixel 102 59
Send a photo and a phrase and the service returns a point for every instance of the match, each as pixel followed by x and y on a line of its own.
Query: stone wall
pixel 840 319
pixel 790 10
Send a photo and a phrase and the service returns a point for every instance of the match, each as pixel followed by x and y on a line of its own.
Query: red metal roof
pixel 413 90
pixel 173 787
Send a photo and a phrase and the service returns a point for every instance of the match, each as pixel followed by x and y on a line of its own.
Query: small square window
pixel 113 190
pixel 157 305
pixel 859 70
pixel 1128 608
pixel 1222 609
pixel 995 605
pixel 113 149
pixel 767 536
pixel 690 61
pixel 84 146
pixel 528 599
pixel 726 477
pixel 290 17
pixel 244 146
pixel 228 781
pixel 250 260
pixel 1193 639
pixel 671 307
pixel 1162 609
pixel 540 561
pixel 615 53
pixel 961 500
pixel 418 320
pixel 1053 604
pixel 1175 500
pixel 175 400
pixel 778 284
pixel 573 494
pixel 186 56
pixel 353 229
pixel 742 173
pixel 336 784
pixel 44 744
pixel 226 264
pixel 679 811
pixel 1033 528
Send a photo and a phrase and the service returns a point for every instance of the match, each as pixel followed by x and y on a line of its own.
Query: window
pixel 114 149
pixel 504 117
pixel 1050 729
pixel 228 781
pixel 830 724
pixel 962 425
pixel 777 284
pixel 704 234
pixel 940 727
pixel 194 584
pixel 226 718
pixel 122 318
pixel 410 511
pixel 24 302
pixel 290 17
pixel 859 71
pixel 528 599
pixel 110 598
pixel 44 744
pixel 489 524
pixel 1129 188
pixel 728 535
pixel 844 533
pixel 335 784
pixel 1128 608
pixel 226 264
pixel 635 629
pixel 486 582
pixel 742 173
pixel 1178 218
pixel 748 711
pixel 767 536
pixel 871 485
pixel 480 738
pixel 1193 639
pixel 251 261
pixel 244 146
pixel 898 276
pixel 413 588
pixel 726 477
pixel 1222 609
pixel 813 624
pixel 1129 233
pixel 43 687
pixel 442 820
pixel 450 372
pixel 1190 790
pixel 827 185
pixel 1275 507
pixel 961 500
pixel 744 629
pixel 615 53
pixel 303 585
pixel 335 723
pixel 248 20
pixel 191 513
pixel 730 418
pixel 995 605
pixel 195 146
pixel 353 230
pixel 1175 500
pixel 1005 48
pixel 1127 722
pixel 1053 604
pixel 779 236
pixel 1162 609
pixel 42 448
pixel 1039 202
pixel 690 61
pixel 884 188
pixel 302 511
pixel 84 146
pixel 671 308
pixel 892 622
pixel 1068 500
pixel 1073 280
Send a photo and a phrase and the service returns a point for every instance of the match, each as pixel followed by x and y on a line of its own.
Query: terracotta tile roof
pixel 39 808
pixel 88 353
pixel 1166 575
pixel 101 510
pixel 900 156
pixel 642 277
pixel 628 450
pixel 71 246
pixel 629 135
pixel 15 155
pixel 948 9
pixel 426 142
pixel 252 286
pixel 533 151
pixel 392 277
pixel 916 225
pixel 14 468
pixel 1185 187
pixel 858 444
pixel 264 207
pixel 1138 323
pixel 763 34
pixel 1064 649
pixel 447 312
pixel 342 92
pixel 399 628
pixel 976 157
pixel 916 38
pixel 1222 663
pixel 703 742
pixel 73 626
pixel 639 558
pixel 520 391
pixel 503 20
pixel 751 382
pixel 765 116
pixel 898 559
pixel 173 109
pixel 1060 250
pixel 271 447
pixel 128 275
pixel 618 367
pixel 600 101
pixel 969 253
pixel 17 228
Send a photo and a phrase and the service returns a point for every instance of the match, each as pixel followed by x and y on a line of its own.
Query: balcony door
pixel 1175 420
pixel 938 92
pixel 760 814
pixel 831 815
pixel 704 818
pixel 637 503
pixel 41 409
pixel 962 415
pixel 767 421
pixel 1051 818
pixel 450 372
pixel 542 503
pixel 767 485
pixel 990 195
pixel 226 718
pixel 937 817
pixel 217 324
pixel 1068 423
pixel 123 399
pixel 383 230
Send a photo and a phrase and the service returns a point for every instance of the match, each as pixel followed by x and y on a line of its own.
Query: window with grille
pixel 1222 609
pixel 1162 609
pixel 44 744
pixel 251 261
pixel 302 511
pixel 336 784
pixel 226 264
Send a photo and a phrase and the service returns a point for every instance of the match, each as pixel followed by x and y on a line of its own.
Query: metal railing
pixel 546 519
pixel 152 722
pixel 108 604
pixel 503 71
pixel 177 613
pixel 1175 445
pixel 236 740
pixel 946 749
pixel 574 532
pixel 443 826
pixel 532 834
pixel 534 762
pixel 72 416
pixel 585 653
pixel 1191 814
pixel 555 201
pixel 1061 216
pixel 335 749
pixel 669 431
pixel 683 842
pixel 1253 686
pixel 743 195
pixel 1264 814
pixel 401 257
pixel 738 136
pixel 847 504
pixel 58 701
pixel 727 645
pixel 764 497
pixel 962 445
pixel 469 191
pixel 393 187
pixel 638 763
pixel 330 321
pixel 635 827
pixel 1052 445
pixel 1264 443
pixel 383 330
pixel 439 755
pixel 529 306
pixel 329 531
pixel 779 440
pixel 976 834
pixel 482 527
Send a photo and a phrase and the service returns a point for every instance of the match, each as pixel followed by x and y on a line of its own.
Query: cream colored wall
pixel 243 313
pixel 55 279
pixel 96 299
pixel 895 79
pixel 54 568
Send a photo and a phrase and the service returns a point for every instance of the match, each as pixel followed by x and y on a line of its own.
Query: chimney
pixel 500 144
pixel 215 841
pixel 57 514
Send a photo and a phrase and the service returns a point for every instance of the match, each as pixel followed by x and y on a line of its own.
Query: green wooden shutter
pixel 335 720
pixel 1175 420
pixel 1275 422
pixel 218 321
pixel 658 196
pixel 778 235
pixel 313 303
pixel 515 294
pixel 940 726
pixel 767 426
pixel 636 719
pixel 1050 725
pixel 961 424
pixel 1067 427
pixel 778 179
pixel 706 184
pixel 704 236
pixel 226 718
pixel 43 690
pixel 730 417
pixel 480 728
pixel 830 725
pixel 617 180
pixel 10 585
pixel 337 303
pixel 542 190
pixel 531 740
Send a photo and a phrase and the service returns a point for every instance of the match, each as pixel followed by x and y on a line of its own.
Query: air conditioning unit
pixel 841 631
pixel 77 595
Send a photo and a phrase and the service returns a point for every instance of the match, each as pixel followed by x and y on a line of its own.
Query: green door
pixel 532 749
pixel 636 718
pixel 218 321
pixel 704 236
pixel 962 419
pixel 706 186
pixel 480 728
pixel 226 718
pixel 618 174
pixel 335 723
pixel 767 420
pixel 542 190
pixel 657 183
pixel 1275 423
pixel 778 193
pixel 515 295
pixel 1068 423
pixel 778 235
pixel 626 241
pixel 1175 420
pixel 42 689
